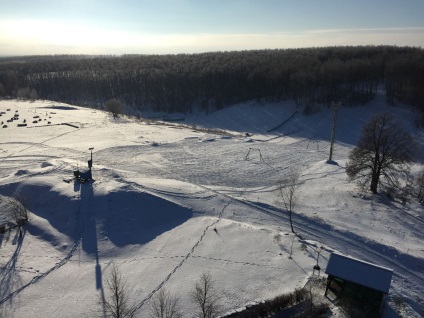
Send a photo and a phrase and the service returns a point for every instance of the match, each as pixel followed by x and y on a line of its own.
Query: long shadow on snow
pixel 41 200
pixel 137 218
pixel 126 217
pixel 9 274
pixel 88 232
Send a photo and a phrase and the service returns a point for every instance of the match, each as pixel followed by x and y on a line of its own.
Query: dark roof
pixel 360 272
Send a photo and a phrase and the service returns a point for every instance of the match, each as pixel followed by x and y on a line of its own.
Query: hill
pixel 171 201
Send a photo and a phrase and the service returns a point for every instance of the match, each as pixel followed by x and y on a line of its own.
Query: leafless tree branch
pixel 117 305
pixel 165 305
pixel 288 192
pixel 206 297
pixel 382 154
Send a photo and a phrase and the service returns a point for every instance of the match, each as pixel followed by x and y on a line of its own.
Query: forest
pixel 312 77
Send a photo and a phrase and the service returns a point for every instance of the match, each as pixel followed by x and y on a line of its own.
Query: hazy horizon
pixel 188 26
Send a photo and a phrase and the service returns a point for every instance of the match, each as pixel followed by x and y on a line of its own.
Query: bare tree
pixel 287 190
pixel 384 150
pixel 206 297
pixel 165 305
pixel 114 106
pixel 18 212
pixel 117 304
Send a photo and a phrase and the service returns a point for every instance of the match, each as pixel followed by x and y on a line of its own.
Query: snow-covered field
pixel 171 201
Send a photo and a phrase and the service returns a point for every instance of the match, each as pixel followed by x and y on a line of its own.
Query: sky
pixel 30 27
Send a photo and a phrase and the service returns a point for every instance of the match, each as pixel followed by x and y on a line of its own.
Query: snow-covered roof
pixel 360 272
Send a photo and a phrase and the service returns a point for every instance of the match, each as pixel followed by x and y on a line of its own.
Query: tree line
pixel 210 81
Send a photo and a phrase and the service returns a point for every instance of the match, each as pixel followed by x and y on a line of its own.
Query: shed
pixel 363 282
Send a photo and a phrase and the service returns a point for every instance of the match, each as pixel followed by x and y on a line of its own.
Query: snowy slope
pixel 171 201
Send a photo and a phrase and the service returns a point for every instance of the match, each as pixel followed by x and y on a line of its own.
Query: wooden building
pixel 359 283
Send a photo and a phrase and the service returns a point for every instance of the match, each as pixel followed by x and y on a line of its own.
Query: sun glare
pixel 30 37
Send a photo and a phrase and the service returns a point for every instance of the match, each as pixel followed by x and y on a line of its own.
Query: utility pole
pixel 335 107
pixel 90 163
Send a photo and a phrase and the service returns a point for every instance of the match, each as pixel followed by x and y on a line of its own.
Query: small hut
pixel 363 285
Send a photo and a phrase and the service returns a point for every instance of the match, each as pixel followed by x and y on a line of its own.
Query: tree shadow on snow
pixel 10 278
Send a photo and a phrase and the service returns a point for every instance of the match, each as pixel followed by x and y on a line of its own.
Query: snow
pixel 171 201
